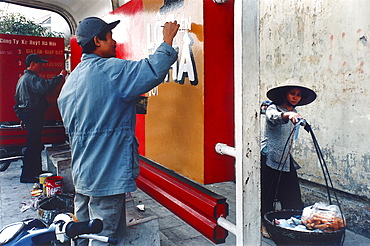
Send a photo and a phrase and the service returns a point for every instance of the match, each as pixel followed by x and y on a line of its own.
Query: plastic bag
pixel 322 216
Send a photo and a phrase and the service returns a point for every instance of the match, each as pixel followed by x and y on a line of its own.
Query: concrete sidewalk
pixel 172 230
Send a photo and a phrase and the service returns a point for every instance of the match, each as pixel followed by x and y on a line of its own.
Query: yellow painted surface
pixel 174 130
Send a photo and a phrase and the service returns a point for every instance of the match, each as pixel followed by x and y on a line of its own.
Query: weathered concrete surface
pixel 324 44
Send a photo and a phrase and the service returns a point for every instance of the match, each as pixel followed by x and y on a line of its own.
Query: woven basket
pixel 283 236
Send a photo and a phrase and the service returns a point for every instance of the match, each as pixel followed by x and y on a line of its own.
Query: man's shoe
pixel 29 180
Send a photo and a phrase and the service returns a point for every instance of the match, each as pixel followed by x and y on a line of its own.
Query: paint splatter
pixel 363 40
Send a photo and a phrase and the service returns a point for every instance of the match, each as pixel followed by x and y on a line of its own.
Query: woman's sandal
pixel 264 232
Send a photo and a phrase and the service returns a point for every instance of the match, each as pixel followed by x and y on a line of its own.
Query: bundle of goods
pixel 323 217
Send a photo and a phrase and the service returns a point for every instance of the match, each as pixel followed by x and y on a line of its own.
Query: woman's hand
pixel 292 116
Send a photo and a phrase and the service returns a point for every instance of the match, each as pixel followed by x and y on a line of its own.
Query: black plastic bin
pixel 52 206
pixel 283 236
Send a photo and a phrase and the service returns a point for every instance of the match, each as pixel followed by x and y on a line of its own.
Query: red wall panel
pixel 13 52
pixel 218 89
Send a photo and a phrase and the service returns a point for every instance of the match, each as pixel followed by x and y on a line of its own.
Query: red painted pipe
pixel 196 205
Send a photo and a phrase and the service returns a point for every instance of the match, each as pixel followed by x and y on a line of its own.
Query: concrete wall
pixel 324 44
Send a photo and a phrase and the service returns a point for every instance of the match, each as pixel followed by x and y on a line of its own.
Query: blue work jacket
pixel 97 105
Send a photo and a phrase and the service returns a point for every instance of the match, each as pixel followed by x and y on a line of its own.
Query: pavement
pixel 172 230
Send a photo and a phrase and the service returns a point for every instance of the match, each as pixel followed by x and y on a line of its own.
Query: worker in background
pixel 31 104
pixel 97 104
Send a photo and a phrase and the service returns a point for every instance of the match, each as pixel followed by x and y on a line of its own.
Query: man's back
pixel 97 104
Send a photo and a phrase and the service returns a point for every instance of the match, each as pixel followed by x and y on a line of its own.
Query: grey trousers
pixel 110 209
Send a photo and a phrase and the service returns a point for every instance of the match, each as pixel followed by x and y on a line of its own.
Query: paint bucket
pixel 42 178
pixel 54 185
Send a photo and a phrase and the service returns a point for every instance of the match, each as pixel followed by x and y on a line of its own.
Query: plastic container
pixel 283 236
pixel 54 185
pixel 42 179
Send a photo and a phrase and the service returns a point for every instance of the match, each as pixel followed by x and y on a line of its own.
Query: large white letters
pixel 185 67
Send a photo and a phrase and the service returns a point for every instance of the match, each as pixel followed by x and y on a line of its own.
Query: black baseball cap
pixel 35 58
pixel 90 27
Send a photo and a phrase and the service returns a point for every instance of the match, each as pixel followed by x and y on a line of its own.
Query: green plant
pixel 17 24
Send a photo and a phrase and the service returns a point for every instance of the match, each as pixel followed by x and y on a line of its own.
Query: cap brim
pixel 113 24
pixel 44 61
